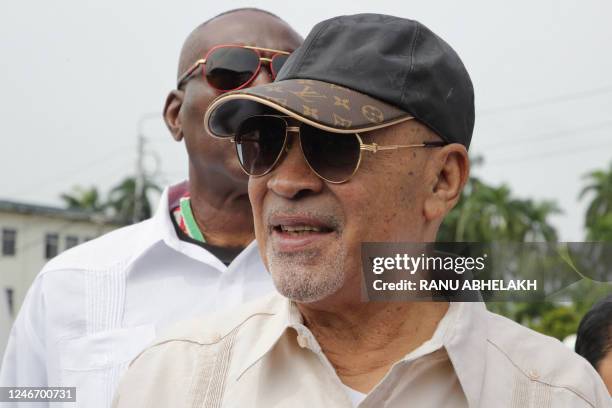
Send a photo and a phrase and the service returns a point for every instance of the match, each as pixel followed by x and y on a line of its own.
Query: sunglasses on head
pixel 262 140
pixel 232 67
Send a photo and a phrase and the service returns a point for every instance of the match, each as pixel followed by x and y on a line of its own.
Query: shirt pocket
pixel 94 363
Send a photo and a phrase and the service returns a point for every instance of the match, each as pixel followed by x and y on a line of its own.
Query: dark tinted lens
pixel 259 143
pixel 229 68
pixel 277 63
pixel 333 156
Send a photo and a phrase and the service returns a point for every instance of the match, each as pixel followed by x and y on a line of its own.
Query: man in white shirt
pixel 95 307
pixel 363 137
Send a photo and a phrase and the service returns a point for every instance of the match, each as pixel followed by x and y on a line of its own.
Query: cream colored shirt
pixel 262 355
pixel 355 396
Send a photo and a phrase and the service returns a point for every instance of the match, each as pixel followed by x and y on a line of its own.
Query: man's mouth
pixel 297 233
pixel 300 229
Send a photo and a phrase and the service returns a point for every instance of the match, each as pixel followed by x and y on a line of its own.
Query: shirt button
pixel 533 374
pixel 216 338
pixel 302 341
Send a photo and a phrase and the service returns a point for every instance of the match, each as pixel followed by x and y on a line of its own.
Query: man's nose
pixel 293 178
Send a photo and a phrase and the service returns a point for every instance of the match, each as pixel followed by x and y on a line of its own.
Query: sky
pixel 77 76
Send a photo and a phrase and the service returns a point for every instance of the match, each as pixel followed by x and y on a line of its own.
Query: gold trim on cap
pixel 228 97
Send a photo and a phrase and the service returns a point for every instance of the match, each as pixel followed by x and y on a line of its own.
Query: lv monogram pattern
pixel 328 104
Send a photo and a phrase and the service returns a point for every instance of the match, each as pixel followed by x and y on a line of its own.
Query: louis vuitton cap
pixel 359 73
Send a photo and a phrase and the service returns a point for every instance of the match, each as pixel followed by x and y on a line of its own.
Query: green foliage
pixel 486 213
pixel 121 199
pixel 598 219
pixel 80 198
pixel 559 322
pixel 489 213
pixel 119 203
pixel 559 317
pixel 556 320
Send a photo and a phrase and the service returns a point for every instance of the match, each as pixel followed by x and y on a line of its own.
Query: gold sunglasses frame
pixel 202 61
pixel 369 147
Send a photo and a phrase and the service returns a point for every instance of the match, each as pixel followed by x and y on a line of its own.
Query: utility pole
pixel 140 172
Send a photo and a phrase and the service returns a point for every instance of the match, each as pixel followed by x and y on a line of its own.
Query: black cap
pixel 358 73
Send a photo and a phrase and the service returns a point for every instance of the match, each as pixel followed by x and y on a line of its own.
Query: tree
pixel 486 213
pixel 87 199
pixel 598 219
pixel 121 199
pixel 119 203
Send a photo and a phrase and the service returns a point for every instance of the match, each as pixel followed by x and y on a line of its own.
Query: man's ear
pixel 451 167
pixel 172 108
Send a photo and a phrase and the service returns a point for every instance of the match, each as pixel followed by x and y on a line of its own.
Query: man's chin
pixel 301 294
pixel 307 280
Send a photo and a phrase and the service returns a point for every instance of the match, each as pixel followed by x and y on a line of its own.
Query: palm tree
pixel 534 220
pixel 121 199
pixel 486 213
pixel 87 199
pixel 598 220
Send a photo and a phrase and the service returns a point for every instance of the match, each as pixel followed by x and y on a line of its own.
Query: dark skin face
pixel 217 185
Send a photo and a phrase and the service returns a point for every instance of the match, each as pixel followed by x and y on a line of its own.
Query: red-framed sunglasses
pixel 231 67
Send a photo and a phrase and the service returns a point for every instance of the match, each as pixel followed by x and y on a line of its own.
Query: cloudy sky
pixel 76 76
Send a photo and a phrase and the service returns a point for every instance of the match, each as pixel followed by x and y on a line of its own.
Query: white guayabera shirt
pixel 95 307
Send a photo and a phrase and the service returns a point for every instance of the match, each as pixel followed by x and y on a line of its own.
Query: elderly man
pixel 94 308
pixel 362 137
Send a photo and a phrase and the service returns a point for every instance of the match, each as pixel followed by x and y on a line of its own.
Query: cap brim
pixel 320 104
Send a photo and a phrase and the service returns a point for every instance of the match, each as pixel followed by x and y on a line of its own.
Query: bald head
pixel 236 26
pixel 214 172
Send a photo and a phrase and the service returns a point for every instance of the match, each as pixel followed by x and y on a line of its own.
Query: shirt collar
pixel 285 315
pixel 466 344
pixel 461 332
pixel 161 219
pixel 251 352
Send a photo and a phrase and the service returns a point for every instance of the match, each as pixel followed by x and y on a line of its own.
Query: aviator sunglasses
pixel 232 67
pixel 262 140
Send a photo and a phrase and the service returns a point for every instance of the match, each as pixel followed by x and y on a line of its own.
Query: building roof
pixel 56 212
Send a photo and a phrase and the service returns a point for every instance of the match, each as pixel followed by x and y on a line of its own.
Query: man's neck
pixel 223 214
pixel 365 340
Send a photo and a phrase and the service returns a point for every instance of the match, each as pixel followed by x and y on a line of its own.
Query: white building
pixel 30 236
pixel 5 323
